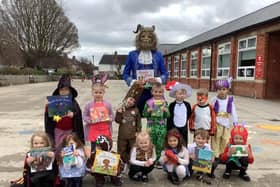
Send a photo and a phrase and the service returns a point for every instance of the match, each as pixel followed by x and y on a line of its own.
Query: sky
pixel 105 26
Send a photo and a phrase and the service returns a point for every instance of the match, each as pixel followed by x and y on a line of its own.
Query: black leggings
pixel 231 165
pixel 135 169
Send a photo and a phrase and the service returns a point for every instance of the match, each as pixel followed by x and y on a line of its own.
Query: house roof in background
pixel 260 16
pixel 113 59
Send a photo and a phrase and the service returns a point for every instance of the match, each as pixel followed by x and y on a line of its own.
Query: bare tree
pixel 39 27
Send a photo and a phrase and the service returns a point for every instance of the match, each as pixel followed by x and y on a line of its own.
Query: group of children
pixel 163 144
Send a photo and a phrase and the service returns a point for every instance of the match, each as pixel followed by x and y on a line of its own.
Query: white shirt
pixel 180 115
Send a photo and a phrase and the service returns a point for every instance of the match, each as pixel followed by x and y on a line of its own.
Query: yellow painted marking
pixel 269 127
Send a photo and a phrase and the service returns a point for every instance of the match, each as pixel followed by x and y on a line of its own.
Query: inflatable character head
pixel 146 38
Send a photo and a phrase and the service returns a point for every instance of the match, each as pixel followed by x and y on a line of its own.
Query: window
pixel 193 68
pixel 169 65
pixel 176 66
pixel 184 64
pixel 246 58
pixel 223 60
pixel 206 62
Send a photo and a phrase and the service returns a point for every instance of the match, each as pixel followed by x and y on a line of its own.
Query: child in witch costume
pixel 129 120
pixel 105 143
pixel 239 136
pixel 72 122
pixel 98 113
pixel 180 110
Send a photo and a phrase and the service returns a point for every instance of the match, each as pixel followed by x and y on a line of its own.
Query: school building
pixel 246 49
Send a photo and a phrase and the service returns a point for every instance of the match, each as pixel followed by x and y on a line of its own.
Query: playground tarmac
pixel 22 108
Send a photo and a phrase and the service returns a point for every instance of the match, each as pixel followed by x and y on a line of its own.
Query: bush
pixel 10 71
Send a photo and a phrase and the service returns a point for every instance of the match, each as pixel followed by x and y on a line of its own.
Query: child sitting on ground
pixel 142 158
pixel 175 157
pixel 234 161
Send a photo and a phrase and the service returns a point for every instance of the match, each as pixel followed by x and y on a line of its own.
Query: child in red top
pixel 239 136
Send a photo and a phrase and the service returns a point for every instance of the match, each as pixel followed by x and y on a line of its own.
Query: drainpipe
pixel 211 62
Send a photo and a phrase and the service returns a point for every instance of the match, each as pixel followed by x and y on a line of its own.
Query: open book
pixel 203 161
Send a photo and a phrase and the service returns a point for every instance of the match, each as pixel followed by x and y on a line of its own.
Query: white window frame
pixel 221 52
pixel 194 57
pixel 169 63
pixel 176 66
pixel 246 69
pixel 206 54
pixel 183 68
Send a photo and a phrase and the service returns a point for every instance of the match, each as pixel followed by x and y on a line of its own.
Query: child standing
pixel 156 112
pixel 72 122
pixel 175 157
pixel 226 115
pixel 142 157
pixel 129 120
pixel 98 113
pixel 238 136
pixel 203 115
pixel 41 177
pixel 201 137
pixel 180 110
pixel 72 167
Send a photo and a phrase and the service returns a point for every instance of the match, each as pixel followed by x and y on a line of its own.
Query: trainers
pixel 212 175
pixel 136 177
pixel 158 165
pixel 245 177
pixel 226 175
pixel 145 178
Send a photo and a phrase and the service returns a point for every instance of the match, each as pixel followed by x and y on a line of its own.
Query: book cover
pixel 99 113
pixel 106 163
pixel 41 161
pixel 69 159
pixel 203 161
pixel 157 108
pixel 59 105
pixel 240 150
pixel 145 74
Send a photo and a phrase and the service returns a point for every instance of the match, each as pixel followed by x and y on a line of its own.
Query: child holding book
pixel 203 115
pixel 156 111
pixel 231 156
pixel 201 137
pixel 72 121
pixel 41 171
pixel 175 157
pixel 180 109
pixel 72 160
pixel 226 115
pixel 98 113
pixel 129 120
pixel 142 158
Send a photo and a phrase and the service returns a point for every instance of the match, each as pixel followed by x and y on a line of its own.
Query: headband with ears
pixel 102 80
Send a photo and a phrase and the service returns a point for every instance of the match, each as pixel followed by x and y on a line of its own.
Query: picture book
pixel 240 150
pixel 106 163
pixel 69 159
pixel 41 160
pixel 157 108
pixel 59 105
pixel 203 161
pixel 99 113
pixel 145 74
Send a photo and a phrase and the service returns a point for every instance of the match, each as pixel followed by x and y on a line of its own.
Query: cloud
pixel 106 26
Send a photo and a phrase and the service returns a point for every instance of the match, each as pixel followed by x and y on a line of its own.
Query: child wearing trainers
pixel 98 113
pixel 175 157
pixel 226 115
pixel 156 111
pixel 142 158
pixel 203 115
pixel 180 110
pixel 238 154
pixel 129 120
pixel 201 137
pixel 72 160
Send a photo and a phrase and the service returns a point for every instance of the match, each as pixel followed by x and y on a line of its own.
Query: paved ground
pixel 21 113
